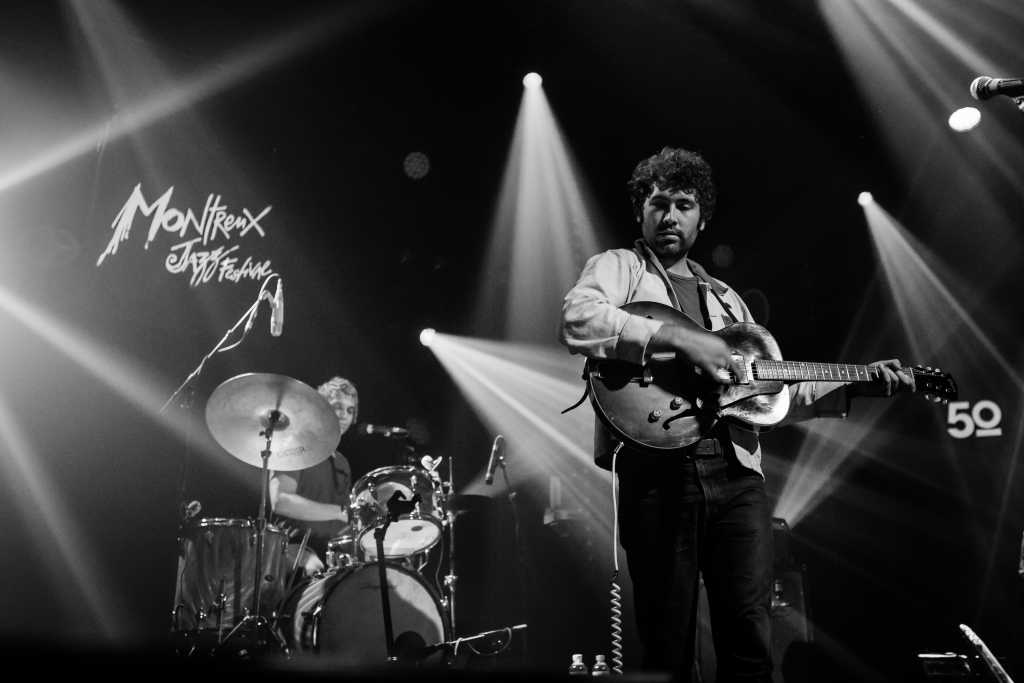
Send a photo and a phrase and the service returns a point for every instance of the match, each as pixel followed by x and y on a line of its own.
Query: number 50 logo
pixel 980 421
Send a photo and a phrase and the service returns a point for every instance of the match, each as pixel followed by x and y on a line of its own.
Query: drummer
pixel 317 498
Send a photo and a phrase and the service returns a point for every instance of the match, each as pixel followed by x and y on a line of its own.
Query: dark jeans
pixel 680 518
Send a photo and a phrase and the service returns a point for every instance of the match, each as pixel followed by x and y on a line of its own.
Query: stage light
pixel 965 119
pixel 543 230
pixel 427 336
pixel 532 80
pixel 865 198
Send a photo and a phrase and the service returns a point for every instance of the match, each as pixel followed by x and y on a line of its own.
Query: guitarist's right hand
pixel 705 350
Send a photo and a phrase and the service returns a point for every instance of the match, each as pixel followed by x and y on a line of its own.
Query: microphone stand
pixel 248 318
pixel 183 506
pixel 397 506
pixel 520 550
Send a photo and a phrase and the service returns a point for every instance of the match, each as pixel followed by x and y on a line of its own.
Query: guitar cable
pixel 615 591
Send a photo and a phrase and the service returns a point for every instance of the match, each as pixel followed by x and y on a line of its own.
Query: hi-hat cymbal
pixel 240 409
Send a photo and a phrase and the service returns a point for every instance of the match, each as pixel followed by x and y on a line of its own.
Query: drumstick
pixel 298 556
pixel 295 564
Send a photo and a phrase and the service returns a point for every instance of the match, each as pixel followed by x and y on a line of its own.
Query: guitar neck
pixel 796 371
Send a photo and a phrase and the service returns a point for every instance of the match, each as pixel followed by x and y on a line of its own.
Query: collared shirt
pixel 594 325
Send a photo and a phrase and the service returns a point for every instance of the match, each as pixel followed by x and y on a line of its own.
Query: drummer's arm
pixel 285 501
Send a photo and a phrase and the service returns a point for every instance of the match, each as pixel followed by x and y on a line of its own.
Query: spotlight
pixel 532 80
pixel 427 336
pixel 963 120
pixel 865 198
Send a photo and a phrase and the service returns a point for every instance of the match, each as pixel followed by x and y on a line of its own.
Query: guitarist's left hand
pixel 891 379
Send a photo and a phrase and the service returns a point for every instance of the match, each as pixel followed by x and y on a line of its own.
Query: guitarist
pixel 702 509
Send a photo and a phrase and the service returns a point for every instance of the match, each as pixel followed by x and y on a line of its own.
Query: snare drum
pixel 413 533
pixel 216 569
pixel 342 551
pixel 339 614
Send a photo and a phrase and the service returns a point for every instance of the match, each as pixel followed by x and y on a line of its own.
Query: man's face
pixel 344 408
pixel 670 223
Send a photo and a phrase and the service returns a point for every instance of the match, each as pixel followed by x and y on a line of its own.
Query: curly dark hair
pixel 673 169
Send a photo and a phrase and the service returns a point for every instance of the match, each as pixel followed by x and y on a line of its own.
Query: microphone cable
pixel 615 590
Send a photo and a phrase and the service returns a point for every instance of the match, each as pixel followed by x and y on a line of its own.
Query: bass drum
pixel 339 614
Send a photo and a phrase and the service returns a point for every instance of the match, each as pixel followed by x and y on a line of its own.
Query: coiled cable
pixel 615 591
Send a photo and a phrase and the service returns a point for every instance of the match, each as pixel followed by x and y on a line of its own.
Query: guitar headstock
pixel 934 384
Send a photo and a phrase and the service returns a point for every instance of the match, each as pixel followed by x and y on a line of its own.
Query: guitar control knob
pixel 654 416
pixel 676 403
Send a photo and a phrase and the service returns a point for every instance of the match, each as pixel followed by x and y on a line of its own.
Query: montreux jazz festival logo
pixel 207 246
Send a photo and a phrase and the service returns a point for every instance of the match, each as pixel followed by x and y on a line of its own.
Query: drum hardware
pixel 257 407
pixel 222 600
pixel 397 506
pixel 450 578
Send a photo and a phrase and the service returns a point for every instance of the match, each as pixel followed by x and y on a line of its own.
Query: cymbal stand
pixel 450 578
pixel 397 506
pixel 255 617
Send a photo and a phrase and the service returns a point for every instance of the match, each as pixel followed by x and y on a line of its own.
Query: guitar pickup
pixel 741 369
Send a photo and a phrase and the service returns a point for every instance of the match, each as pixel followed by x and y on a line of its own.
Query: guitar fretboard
pixel 796 371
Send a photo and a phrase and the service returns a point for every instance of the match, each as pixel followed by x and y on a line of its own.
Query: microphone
pixel 277 310
pixel 382 430
pixel 499 442
pixel 983 87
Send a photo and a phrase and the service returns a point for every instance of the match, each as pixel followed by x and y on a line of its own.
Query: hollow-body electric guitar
pixel 667 404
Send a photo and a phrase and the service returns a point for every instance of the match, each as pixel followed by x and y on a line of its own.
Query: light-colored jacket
pixel 593 324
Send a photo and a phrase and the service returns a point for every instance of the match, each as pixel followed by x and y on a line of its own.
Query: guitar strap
pixel 704 305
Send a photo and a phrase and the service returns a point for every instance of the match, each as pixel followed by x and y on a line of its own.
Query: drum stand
pixel 397 506
pixel 450 578
pixel 254 620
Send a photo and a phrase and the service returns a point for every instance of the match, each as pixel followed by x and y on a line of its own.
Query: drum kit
pixel 238 594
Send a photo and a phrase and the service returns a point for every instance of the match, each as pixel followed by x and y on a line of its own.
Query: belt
pixel 705 448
